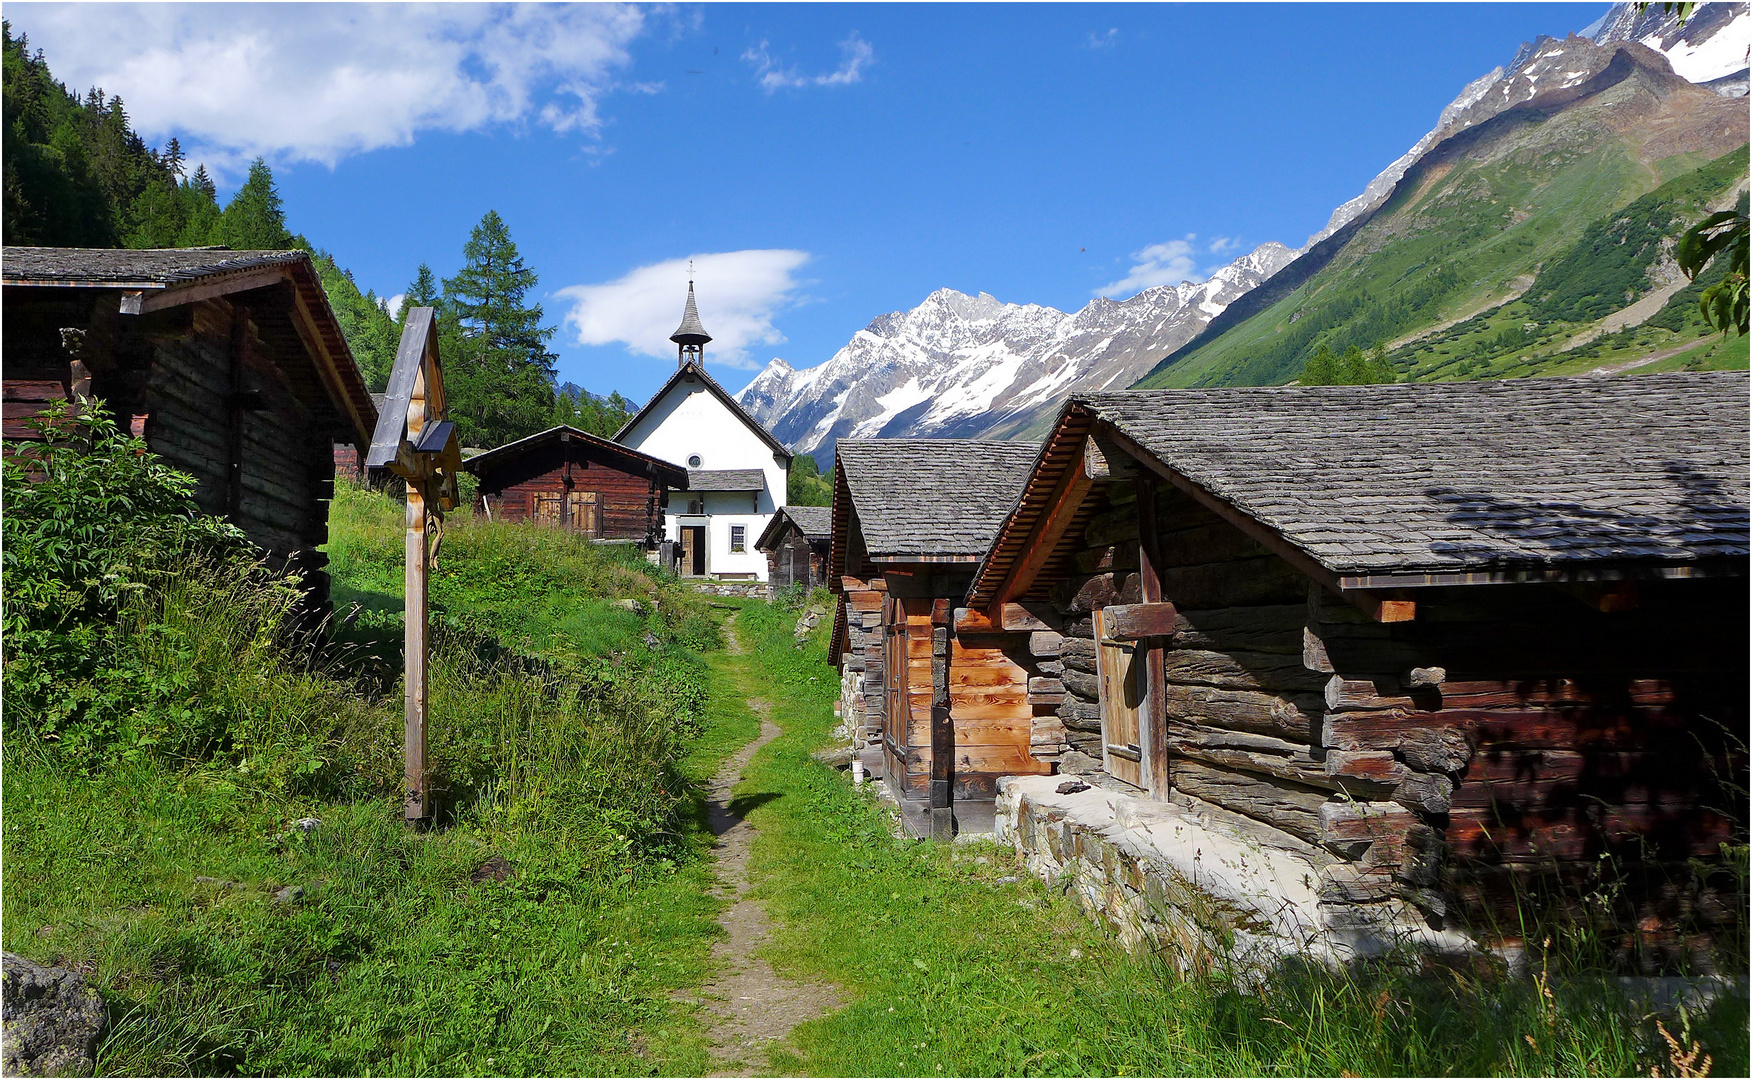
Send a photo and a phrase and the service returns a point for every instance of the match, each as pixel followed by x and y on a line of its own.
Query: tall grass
pixel 540 928
pixel 957 961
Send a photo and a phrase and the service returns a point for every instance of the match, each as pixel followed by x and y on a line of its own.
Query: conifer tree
pixel 255 218
pixel 500 380
pixel 205 183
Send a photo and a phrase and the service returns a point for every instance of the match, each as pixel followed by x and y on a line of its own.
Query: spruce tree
pixel 255 218
pixel 500 381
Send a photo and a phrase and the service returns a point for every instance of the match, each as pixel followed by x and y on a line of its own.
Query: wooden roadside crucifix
pixel 416 441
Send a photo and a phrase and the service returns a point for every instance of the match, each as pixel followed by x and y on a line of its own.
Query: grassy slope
pixel 957 966
pixel 394 961
pixel 1459 240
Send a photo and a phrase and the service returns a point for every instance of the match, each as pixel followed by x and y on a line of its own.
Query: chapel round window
pixel 693 461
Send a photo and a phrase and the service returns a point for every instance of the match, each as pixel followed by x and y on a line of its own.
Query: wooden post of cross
pixel 416 441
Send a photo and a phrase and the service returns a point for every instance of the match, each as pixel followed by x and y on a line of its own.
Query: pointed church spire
pixel 690 337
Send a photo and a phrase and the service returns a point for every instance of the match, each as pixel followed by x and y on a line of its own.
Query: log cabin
pixel 1448 644
pixel 581 482
pixel 230 365
pixel 796 543
pixel 943 711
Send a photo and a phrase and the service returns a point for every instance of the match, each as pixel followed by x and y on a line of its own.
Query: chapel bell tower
pixel 690 337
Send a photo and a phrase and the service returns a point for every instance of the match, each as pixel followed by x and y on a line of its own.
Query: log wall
pixel 629 504
pixel 1505 734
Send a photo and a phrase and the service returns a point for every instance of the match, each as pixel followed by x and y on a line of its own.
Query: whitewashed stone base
pixel 1204 891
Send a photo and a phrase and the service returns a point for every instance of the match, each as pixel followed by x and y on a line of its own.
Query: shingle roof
pixel 123 266
pixel 690 332
pixel 672 476
pixel 1456 476
pixel 932 497
pixel 815 523
pixel 725 479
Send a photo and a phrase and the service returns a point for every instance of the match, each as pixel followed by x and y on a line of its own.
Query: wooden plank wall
pixel 629 504
pixel 793 560
pixel 284 472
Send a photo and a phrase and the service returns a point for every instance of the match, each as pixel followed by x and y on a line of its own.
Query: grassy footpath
pixel 959 963
pixel 566 728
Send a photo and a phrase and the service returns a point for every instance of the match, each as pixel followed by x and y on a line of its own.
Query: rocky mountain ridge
pixel 966 366
pixel 972 366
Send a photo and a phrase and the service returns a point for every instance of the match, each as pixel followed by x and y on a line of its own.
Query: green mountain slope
pixel 1510 248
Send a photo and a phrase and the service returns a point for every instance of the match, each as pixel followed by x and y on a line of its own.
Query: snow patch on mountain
pixel 960 365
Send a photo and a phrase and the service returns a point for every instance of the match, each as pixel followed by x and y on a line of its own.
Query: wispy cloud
pixel 1104 41
pixel 857 55
pixel 321 82
pixel 739 294
pixel 1168 263
pixel 1221 245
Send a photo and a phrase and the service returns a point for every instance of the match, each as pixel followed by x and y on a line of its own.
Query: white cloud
pixel 319 82
pixel 393 305
pixel 1159 264
pixel 858 55
pixel 738 293
pixel 1104 41
pixel 1221 244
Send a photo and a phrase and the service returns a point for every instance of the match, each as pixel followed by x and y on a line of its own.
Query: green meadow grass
pixel 958 962
pixel 566 734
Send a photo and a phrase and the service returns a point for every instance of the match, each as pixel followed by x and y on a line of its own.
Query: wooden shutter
pixel 544 507
pixel 1120 668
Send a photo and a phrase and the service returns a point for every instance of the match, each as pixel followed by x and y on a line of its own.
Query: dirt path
pixel 749 1005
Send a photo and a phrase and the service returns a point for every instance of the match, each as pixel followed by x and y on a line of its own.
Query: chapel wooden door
pixel 581 511
pixel 1120 668
pixel 544 507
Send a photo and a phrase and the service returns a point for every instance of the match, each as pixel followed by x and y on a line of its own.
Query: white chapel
pixel 737 472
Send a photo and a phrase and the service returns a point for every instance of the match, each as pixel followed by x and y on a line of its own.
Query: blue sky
pixel 827 164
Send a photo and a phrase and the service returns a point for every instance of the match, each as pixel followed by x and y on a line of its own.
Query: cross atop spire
pixel 690 337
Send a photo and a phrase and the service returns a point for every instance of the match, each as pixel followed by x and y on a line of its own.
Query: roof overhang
pixel 310 313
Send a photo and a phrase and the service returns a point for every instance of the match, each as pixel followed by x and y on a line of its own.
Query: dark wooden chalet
pixel 796 543
pixel 1440 636
pixel 583 482
pixel 229 363
pixel 945 713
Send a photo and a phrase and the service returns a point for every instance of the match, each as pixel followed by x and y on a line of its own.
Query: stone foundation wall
pixel 1193 879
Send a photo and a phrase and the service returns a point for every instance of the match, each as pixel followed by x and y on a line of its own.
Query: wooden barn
pixel 1438 640
pixel 944 709
pixel 229 363
pixel 796 543
pixel 578 481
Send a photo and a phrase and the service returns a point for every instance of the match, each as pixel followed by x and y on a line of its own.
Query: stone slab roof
pixel 932 498
pixel 814 522
pixel 123 266
pixel 725 480
pixel 1461 476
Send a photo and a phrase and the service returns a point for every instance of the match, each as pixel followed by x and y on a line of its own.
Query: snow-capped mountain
pixel 1711 47
pixel 960 365
pixel 964 366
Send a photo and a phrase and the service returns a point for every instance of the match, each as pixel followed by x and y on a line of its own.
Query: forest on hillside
pixel 76 174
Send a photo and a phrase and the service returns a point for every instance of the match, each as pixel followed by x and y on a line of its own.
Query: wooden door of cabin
pixel 895 704
pixel 1120 669
pixel 545 507
pixel 581 511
